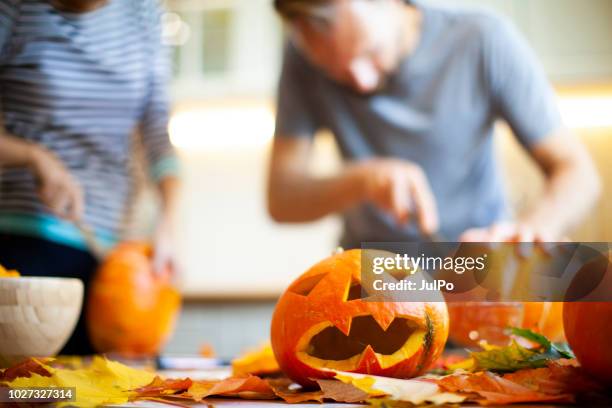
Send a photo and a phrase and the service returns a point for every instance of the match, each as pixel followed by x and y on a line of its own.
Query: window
pixel 216 41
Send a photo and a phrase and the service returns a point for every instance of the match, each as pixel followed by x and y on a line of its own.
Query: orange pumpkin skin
pixel 545 318
pixel 130 309
pixel 299 316
pixel 491 320
pixel 588 328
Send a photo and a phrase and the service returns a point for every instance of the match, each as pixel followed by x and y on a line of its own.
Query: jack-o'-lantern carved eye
pixel 325 321
pixel 305 286
pixel 355 292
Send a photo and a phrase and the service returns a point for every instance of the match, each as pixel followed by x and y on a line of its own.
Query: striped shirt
pixel 80 84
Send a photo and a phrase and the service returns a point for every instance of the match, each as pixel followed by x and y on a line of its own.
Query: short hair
pixel 321 10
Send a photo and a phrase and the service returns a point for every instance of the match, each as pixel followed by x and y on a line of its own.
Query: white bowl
pixel 37 316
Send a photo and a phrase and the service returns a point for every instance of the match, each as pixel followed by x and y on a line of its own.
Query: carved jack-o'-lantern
pixel 321 323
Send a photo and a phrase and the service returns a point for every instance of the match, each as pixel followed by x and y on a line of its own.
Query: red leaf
pixel 492 389
pixel 250 387
pixel 160 387
pixel 25 369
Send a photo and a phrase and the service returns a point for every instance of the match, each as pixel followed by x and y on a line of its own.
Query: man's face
pixel 360 46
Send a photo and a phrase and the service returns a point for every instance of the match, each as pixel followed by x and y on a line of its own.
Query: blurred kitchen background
pixel 227 55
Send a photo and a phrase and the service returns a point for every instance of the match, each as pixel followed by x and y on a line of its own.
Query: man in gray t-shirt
pixel 411 93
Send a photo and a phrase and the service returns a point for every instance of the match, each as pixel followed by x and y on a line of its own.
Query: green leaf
pixel 516 357
pixel 532 336
pixel 507 359
pixel 554 351
pixel 564 350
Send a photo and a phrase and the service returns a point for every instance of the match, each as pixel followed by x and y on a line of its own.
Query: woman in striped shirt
pixel 77 79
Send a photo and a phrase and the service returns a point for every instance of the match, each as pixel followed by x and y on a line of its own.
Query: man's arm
pixel 296 196
pixel 397 186
pixel 572 185
pixel 522 95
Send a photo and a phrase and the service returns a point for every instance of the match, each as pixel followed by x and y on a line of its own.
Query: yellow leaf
pixel 468 365
pixel 256 362
pixel 4 273
pixel 102 382
pixel 414 391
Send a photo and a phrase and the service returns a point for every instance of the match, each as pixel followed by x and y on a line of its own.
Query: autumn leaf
pixel 415 391
pixel 562 376
pixel 340 392
pixel 5 273
pixel 510 358
pixel 26 369
pixel 491 388
pixel 160 387
pixel 256 362
pixel 553 351
pixel 250 387
pixel 286 389
pixel 515 356
pixel 102 382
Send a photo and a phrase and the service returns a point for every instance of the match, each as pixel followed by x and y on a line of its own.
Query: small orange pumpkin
pixel 471 322
pixel 321 323
pixel 130 309
pixel 545 318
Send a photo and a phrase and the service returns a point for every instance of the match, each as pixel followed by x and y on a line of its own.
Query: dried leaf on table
pixel 515 356
pixel 562 376
pixel 488 388
pixel 25 369
pixel 291 393
pixel 5 273
pixel 160 387
pixel 342 392
pixel 250 387
pixel 447 362
pixel 260 361
pixel 102 382
pixel 415 391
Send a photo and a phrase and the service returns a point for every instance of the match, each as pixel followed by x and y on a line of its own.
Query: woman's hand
pixel 164 242
pixel 58 189
pixel 164 252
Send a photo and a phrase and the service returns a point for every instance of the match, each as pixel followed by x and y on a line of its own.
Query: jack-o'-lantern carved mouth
pixel 325 346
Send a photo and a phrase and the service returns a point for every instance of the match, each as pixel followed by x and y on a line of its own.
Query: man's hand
pixel 58 189
pixel 397 186
pixel 400 188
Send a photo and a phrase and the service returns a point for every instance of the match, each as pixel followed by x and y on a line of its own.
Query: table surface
pixel 228 402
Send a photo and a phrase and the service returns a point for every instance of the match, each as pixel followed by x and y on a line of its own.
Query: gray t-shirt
pixel 438 110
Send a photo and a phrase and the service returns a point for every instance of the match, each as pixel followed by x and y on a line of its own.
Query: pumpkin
pixel 471 322
pixel 321 323
pixel 588 328
pixel 131 310
pixel 588 325
pixel 545 318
